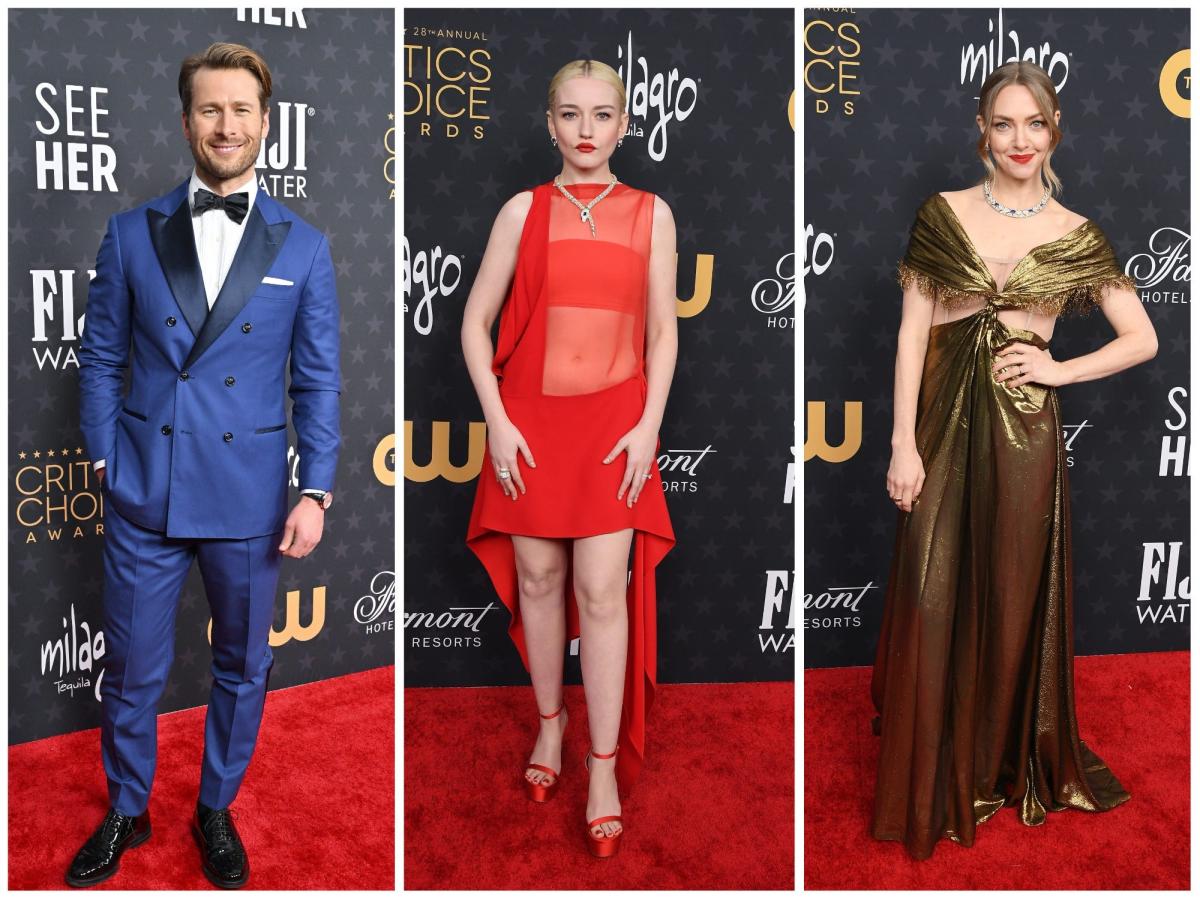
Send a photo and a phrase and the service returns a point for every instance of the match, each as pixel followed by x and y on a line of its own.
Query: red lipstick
pixel 1020 159
pixel 585 147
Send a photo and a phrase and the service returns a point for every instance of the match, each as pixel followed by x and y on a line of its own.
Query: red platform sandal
pixel 602 846
pixel 540 793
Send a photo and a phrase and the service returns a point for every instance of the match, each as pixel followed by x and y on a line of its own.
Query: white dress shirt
pixel 217 235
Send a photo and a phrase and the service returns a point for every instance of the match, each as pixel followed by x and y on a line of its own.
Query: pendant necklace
pixel 1009 211
pixel 585 212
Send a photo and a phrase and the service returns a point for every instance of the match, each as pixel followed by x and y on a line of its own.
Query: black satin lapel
pixel 259 246
pixel 175 243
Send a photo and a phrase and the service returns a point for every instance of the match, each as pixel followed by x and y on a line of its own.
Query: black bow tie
pixel 235 205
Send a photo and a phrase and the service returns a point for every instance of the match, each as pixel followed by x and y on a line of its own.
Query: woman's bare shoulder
pixel 961 200
pixel 1070 218
pixel 963 196
pixel 518 204
pixel 512 214
pixel 662 211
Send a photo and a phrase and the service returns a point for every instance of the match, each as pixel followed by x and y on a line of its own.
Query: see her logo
pixel 73 165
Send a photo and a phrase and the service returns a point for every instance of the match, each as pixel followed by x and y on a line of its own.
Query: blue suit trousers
pixel 144 572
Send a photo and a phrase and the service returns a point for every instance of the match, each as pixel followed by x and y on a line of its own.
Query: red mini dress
pixel 570 363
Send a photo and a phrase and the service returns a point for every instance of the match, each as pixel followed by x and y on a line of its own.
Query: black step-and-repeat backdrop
pixel 889 101
pixel 710 102
pixel 94 128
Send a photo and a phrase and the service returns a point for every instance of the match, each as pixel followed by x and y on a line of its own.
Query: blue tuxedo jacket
pixel 198 447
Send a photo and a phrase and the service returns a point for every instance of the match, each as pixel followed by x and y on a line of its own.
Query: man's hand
pixel 100 474
pixel 302 531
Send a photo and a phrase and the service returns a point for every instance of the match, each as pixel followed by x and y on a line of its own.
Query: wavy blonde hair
pixel 586 68
pixel 1033 77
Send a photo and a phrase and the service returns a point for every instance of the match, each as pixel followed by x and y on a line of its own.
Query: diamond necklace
pixel 585 212
pixel 1009 211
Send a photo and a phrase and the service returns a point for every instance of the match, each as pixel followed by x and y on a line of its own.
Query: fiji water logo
pixel 285 152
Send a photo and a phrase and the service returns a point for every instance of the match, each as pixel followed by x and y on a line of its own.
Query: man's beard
pixel 219 169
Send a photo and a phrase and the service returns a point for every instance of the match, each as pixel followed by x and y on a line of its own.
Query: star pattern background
pixel 341 64
pixel 728 178
pixel 1124 162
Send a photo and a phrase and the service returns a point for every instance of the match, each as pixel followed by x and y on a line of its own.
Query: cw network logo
pixel 292 629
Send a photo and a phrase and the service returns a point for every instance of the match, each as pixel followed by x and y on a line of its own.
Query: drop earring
pixel 553 141
pixel 620 142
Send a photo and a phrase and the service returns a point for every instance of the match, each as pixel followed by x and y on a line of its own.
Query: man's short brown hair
pixel 225 56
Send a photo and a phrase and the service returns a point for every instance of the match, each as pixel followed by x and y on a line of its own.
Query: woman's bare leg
pixel 541 585
pixel 601 569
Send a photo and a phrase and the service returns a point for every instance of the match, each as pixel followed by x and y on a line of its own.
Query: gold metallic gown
pixel 973 673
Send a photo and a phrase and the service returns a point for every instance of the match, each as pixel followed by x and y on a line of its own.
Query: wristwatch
pixel 323 498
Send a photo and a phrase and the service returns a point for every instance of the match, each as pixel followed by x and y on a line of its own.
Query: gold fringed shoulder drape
pixel 973 681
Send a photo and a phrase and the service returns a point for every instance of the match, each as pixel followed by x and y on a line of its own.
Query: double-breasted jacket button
pixel 183 376
pixel 171 321
pixel 246 328
pixel 166 429
pixel 230 380
pixel 228 437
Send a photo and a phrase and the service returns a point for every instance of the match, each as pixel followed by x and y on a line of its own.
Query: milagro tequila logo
pixel 71 658
pixel 285 151
pixel 818 253
pixel 668 98
pixel 1163 596
pixel 371 607
pixel 429 274
pixel 977 61
pixel 775 636
pixel 56 326
pixel 1165 264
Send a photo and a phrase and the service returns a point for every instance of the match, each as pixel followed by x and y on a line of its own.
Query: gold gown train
pixel 973 681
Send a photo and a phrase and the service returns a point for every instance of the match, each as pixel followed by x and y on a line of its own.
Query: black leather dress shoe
pixel 222 854
pixel 100 856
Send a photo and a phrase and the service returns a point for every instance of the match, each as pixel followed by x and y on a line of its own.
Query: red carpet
pixel 316 810
pixel 1133 711
pixel 713 807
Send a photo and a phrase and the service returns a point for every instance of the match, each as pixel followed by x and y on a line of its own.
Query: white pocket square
pixel 271 279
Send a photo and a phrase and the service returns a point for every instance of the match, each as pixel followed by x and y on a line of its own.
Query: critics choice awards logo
pixel 56 495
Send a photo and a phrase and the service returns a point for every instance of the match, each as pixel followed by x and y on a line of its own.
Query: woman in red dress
pixel 581 271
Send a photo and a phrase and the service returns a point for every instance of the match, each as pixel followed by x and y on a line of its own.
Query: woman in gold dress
pixel 973 680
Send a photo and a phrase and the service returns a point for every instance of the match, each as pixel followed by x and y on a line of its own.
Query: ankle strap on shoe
pixel 596 755
pixel 554 714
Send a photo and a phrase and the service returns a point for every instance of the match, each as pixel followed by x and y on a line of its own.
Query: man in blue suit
pixel 203 293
